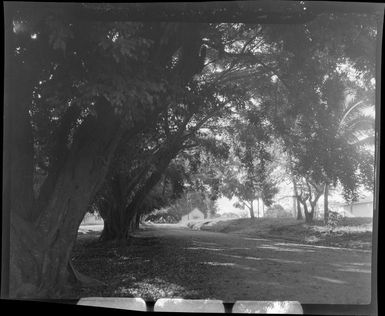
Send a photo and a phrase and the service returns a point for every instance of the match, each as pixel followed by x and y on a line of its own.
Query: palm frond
pixel 354 107
pixel 360 123
pixel 367 141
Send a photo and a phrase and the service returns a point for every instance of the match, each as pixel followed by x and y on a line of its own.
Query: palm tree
pixel 356 125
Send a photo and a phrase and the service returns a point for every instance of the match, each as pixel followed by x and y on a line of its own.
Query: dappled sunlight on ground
pixel 231 265
pixel 284 249
pixel 344 229
pixel 358 267
pixel 279 260
pixel 239 257
pixel 266 284
pixel 225 264
pixel 151 288
pixel 355 270
pixel 203 248
pixel 351 233
pixel 329 280
pixel 204 243
pixel 321 247
pixel 165 262
pixel 258 239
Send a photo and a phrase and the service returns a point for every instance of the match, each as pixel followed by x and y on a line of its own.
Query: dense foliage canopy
pixel 124 114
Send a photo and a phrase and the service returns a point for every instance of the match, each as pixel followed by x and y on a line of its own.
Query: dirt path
pixel 168 261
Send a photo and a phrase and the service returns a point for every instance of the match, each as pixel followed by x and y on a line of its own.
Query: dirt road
pixel 168 261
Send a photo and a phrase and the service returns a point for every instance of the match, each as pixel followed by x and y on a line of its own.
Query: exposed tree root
pixel 83 279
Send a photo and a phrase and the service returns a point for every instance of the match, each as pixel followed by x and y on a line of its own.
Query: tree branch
pixel 203 121
pixel 247 205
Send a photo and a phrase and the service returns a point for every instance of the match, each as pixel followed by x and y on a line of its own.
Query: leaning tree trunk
pixel 114 212
pixel 131 222
pixel 119 219
pixel 133 209
pixel 40 250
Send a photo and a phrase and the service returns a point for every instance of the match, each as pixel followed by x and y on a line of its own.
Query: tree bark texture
pixel 299 212
pixel 133 209
pixel 42 234
pixel 251 209
pixel 111 211
pixel 308 215
pixel 326 203
pixel 121 225
pixel 40 250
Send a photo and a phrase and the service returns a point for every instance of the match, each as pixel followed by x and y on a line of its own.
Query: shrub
pixel 230 215
pixel 162 218
pixel 244 214
pixel 276 211
pixel 334 219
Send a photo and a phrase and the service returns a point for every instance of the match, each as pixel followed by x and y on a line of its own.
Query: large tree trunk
pixel 258 208
pixel 114 209
pixel 251 209
pixel 313 199
pixel 130 215
pixel 137 221
pixel 112 214
pixel 18 130
pixel 132 224
pixel 326 203
pixel 57 158
pixel 40 250
pixel 18 165
pixel 299 211
pixel 112 228
pixel 308 215
pixel 295 191
pixel 133 209
pixel 41 242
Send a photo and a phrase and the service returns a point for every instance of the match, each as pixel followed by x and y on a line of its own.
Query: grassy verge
pixel 350 233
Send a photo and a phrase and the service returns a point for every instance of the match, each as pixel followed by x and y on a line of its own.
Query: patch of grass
pixel 350 233
pixel 147 267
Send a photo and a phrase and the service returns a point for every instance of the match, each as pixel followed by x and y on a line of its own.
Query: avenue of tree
pixel 125 116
